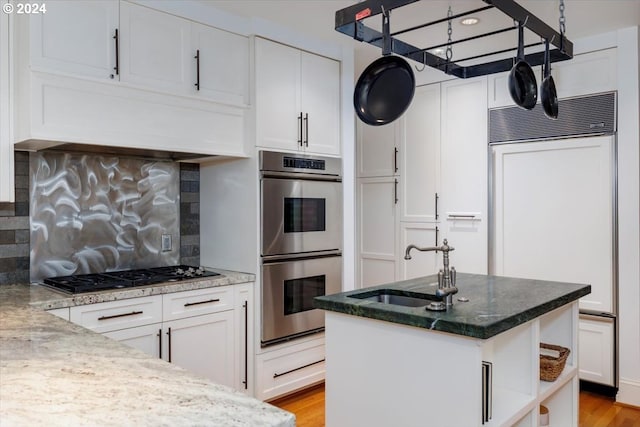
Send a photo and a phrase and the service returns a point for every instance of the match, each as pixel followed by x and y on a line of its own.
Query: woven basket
pixel 551 367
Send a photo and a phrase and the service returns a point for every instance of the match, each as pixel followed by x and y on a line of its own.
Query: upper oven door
pixel 300 216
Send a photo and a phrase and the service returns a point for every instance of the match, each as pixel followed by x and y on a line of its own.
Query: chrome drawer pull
pixel 133 313
pixel 276 375
pixel 201 302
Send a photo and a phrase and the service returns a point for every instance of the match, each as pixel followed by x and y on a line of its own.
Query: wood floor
pixel 595 410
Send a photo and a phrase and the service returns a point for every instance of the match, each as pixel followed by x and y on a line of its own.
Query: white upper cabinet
pixel 224 65
pixel 76 37
pixel 7 193
pixel 152 49
pixel 297 99
pixel 155 49
pixel 585 74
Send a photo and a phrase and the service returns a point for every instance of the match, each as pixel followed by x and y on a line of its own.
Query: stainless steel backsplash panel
pixel 98 213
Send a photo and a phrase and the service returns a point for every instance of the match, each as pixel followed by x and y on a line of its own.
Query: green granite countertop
pixel 495 304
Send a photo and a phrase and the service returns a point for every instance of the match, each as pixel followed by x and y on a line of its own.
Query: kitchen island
pixel 389 361
pixel 53 372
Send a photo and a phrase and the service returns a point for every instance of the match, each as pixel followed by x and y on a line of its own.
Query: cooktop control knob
pixel 180 271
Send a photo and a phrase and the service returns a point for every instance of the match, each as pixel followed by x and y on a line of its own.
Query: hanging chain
pixel 449 32
pixel 562 19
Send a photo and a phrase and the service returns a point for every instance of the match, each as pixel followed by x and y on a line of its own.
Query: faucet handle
pixel 452 273
pixel 441 279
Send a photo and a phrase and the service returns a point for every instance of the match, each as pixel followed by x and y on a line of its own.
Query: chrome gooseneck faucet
pixel 446 275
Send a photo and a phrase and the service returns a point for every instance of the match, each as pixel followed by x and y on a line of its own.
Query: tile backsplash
pixel 15 236
pixel 14 228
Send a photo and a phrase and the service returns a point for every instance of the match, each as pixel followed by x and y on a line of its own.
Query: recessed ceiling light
pixel 438 51
pixel 469 21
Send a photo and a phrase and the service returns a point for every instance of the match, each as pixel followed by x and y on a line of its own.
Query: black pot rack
pixel 349 21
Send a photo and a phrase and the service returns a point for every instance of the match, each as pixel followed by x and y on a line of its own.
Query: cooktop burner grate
pixel 82 283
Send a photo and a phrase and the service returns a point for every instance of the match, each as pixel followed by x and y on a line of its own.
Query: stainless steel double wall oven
pixel 301 215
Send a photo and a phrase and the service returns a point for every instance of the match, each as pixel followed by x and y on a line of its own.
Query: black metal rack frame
pixel 349 21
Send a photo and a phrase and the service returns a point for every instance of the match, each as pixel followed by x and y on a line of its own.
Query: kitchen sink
pixel 394 297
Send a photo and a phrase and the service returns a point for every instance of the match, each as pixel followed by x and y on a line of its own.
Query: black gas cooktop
pixel 126 278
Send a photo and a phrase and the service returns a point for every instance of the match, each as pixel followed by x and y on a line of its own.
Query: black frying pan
pixel 384 90
pixel 548 94
pixel 522 82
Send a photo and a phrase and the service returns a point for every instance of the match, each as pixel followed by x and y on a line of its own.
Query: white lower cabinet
pixel 290 368
pixel 597 345
pixel 145 338
pixel 373 366
pixel 206 331
pixel 203 345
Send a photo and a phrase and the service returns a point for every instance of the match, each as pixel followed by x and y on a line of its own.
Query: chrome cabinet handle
pixel 188 304
pixel 160 343
pixel 276 375
pixel 133 313
pixel 197 58
pixel 462 216
pixel 437 197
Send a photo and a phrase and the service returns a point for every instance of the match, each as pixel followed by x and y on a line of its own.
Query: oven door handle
pixel 266 259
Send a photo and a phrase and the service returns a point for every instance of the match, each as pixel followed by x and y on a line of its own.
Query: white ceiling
pixel 316 18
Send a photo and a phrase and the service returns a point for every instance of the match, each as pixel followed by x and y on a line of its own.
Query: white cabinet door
pixel 420 153
pixel 7 192
pixel 421 263
pixel 320 102
pixel 224 64
pixel 203 345
pixel 155 49
pixel 596 341
pixel 553 205
pixel 377 237
pixel 297 99
pixel 378 150
pixel 244 334
pixel 144 338
pixel 75 37
pixel 464 172
pixel 278 121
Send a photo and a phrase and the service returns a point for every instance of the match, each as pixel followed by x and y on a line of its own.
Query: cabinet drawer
pixel 114 315
pixel 194 303
pixel 280 373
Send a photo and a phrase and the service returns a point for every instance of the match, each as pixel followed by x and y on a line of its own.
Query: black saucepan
pixel 522 81
pixel 384 90
pixel 548 94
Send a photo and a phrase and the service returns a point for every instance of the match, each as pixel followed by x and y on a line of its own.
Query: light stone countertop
pixel 55 373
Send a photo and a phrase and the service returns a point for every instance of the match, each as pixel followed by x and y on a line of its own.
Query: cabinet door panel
pixel 203 345
pixel 320 99
pixel 7 189
pixel 144 338
pixel 421 263
pixel 421 155
pixel 277 95
pixel 377 231
pixel 155 48
pixel 596 341
pixel 377 148
pixel 75 37
pixel 556 225
pixel 464 171
pixel 224 64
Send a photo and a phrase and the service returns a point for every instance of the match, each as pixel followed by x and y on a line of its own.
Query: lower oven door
pixel 288 290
